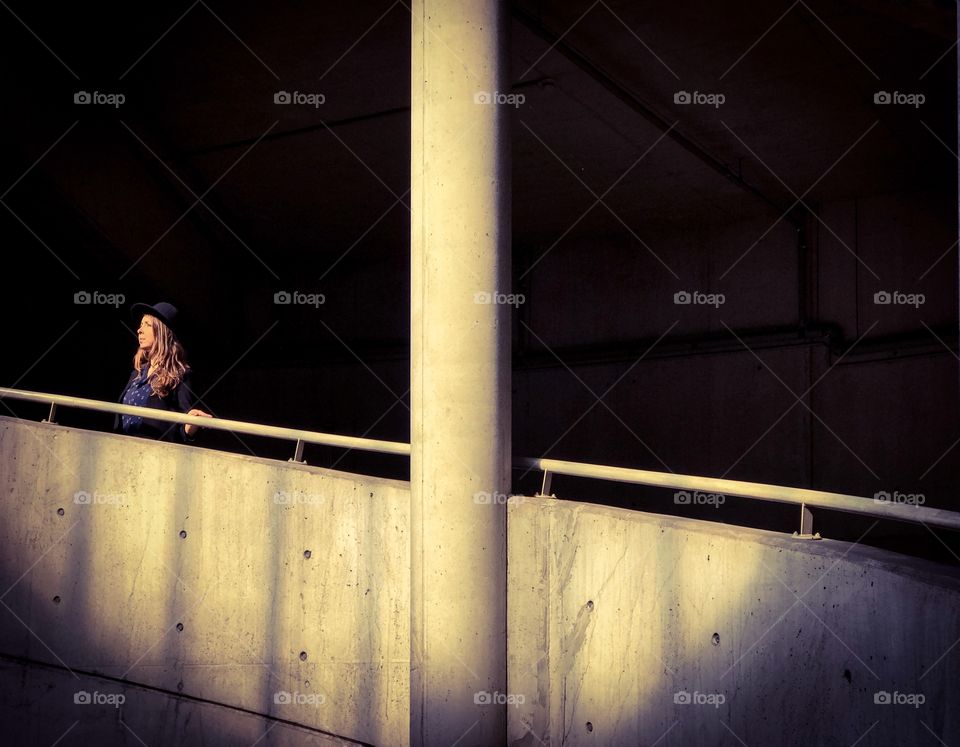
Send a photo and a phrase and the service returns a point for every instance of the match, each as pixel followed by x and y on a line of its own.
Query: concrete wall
pixel 612 613
pixel 179 536
pixel 615 616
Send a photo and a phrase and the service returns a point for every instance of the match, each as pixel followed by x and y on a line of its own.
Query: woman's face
pixel 145 334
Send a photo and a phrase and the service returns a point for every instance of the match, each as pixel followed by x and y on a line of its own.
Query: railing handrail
pixel 759 491
pixel 778 493
pixel 236 426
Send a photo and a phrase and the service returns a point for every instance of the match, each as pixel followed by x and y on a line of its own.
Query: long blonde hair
pixel 167 357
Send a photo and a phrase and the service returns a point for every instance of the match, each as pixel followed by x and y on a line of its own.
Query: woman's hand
pixel 191 429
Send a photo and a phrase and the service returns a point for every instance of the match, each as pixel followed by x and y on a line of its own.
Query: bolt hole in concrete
pixel 183 534
pixel 180 627
pixel 307 554
pixel 715 640
pixel 590 605
pixel 60 512
pixel 303 656
pixel 589 726
pixel 180 687
pixel 56 599
pixel 306 683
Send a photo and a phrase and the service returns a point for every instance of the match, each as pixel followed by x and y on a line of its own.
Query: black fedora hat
pixel 165 312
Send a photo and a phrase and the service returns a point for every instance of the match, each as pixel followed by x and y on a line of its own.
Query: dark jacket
pixel 179 399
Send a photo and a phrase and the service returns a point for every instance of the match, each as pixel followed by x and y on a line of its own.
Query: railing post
pixel 298 452
pixel 52 415
pixel 806 524
pixel 547 479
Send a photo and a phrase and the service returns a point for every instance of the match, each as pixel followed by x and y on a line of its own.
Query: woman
pixel 160 377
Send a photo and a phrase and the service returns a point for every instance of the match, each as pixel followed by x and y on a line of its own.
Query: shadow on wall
pixel 218 597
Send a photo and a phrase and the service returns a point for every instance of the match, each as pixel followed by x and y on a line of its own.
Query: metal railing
pixel 301 437
pixel 802 497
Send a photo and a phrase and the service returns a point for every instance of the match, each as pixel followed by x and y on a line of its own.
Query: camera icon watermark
pixel 696 498
pixel 697 298
pixel 96 498
pixel 285 697
pixel 97 98
pixel 316 100
pixel 496 297
pixel 516 100
pixel 884 98
pixel 82 697
pixel 896 298
pixel 296 498
pixel 882 697
pixel 96 298
pixel 682 697
pixel 907 499
pixel 496 498
pixel 296 298
pixel 716 100
pixel 484 698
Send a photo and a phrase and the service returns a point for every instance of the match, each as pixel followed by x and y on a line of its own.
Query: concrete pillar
pixel 459 370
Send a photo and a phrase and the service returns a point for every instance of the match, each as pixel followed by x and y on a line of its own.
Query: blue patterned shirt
pixel 137 393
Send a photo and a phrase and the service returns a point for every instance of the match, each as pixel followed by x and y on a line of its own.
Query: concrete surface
pixel 617 617
pixel 613 615
pixel 103 587
pixel 460 443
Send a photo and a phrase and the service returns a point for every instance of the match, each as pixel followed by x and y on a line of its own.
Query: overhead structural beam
pixel 459 371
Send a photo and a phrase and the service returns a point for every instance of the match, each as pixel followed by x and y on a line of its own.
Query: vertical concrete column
pixel 460 371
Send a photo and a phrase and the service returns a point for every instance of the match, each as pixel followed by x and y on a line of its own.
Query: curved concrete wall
pixel 186 571
pixel 631 628
pixel 624 627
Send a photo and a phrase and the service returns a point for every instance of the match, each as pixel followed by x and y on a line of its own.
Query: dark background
pixel 798 198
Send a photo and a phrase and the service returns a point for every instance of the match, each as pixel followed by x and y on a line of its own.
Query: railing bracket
pixel 806 525
pixel 298 453
pixel 545 487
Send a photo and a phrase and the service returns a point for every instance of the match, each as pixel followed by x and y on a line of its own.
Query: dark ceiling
pixel 200 187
